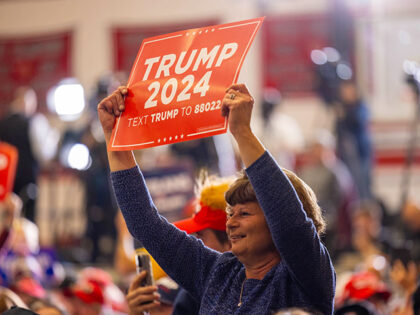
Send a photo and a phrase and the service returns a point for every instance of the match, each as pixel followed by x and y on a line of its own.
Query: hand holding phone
pixel 142 298
pixel 143 262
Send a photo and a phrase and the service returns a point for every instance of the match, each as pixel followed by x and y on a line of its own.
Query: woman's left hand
pixel 237 105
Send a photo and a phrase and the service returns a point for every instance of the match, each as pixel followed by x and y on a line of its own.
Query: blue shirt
pixel 185 304
pixel 305 276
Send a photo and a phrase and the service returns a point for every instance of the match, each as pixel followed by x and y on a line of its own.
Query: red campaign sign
pixel 177 84
pixel 8 163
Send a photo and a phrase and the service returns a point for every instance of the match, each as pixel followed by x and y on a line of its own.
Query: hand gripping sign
pixel 177 84
pixel 8 163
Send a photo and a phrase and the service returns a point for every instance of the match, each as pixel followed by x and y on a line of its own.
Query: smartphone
pixel 143 262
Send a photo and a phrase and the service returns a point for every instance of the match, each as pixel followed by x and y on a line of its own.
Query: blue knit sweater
pixel 305 276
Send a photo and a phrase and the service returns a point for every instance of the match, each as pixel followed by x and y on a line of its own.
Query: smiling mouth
pixel 234 238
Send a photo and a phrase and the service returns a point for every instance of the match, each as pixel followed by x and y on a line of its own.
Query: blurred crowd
pixel 376 255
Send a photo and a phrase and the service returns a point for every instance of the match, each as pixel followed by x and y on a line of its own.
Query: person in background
pixel 35 140
pixel 411 219
pixel 364 290
pixel 15 129
pixel 406 278
pixel 333 184
pixel 209 225
pixel 43 307
pixel 277 259
pixel 8 299
pixel 10 209
pixel 354 144
pixel 295 311
pixel 367 241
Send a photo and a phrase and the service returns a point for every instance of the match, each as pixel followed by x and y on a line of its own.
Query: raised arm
pixel 237 105
pixel 108 110
pixel 174 250
pixel 293 233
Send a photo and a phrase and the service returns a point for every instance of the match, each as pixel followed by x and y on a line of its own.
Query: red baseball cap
pixel 364 285
pixel 89 292
pixel 206 218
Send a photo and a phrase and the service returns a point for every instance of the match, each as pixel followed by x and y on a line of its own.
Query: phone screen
pixel 143 262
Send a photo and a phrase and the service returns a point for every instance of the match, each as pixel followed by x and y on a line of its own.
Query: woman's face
pixel 248 232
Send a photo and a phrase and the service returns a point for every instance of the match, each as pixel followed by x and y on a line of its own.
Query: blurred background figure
pixel 10 209
pixel 8 299
pixel 334 187
pixel 411 219
pixel 366 251
pixel 296 311
pixel 90 291
pixel 101 207
pixel 364 293
pixel 15 128
pixel 35 140
pixel 25 268
pixel 354 144
pixel 45 308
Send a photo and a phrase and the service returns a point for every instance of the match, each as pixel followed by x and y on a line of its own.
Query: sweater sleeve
pixel 183 257
pixel 293 233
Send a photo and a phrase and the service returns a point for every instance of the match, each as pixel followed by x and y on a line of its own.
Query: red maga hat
pixel 211 206
pixel 364 285
pixel 205 218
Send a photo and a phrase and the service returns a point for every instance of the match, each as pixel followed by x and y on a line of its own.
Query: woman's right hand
pixel 141 299
pixel 111 107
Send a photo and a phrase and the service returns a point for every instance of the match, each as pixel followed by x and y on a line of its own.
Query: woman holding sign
pixel 277 259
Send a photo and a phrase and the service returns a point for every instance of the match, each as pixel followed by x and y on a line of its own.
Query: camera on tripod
pixel 412 78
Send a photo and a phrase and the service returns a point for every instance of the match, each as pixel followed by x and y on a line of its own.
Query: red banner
pixel 36 61
pixel 287 45
pixel 177 84
pixel 8 163
pixel 126 40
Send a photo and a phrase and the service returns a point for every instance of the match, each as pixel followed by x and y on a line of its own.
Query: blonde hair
pixel 241 191
pixel 309 201
pixel 210 190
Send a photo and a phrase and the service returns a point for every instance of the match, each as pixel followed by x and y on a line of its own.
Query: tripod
pixel 411 149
